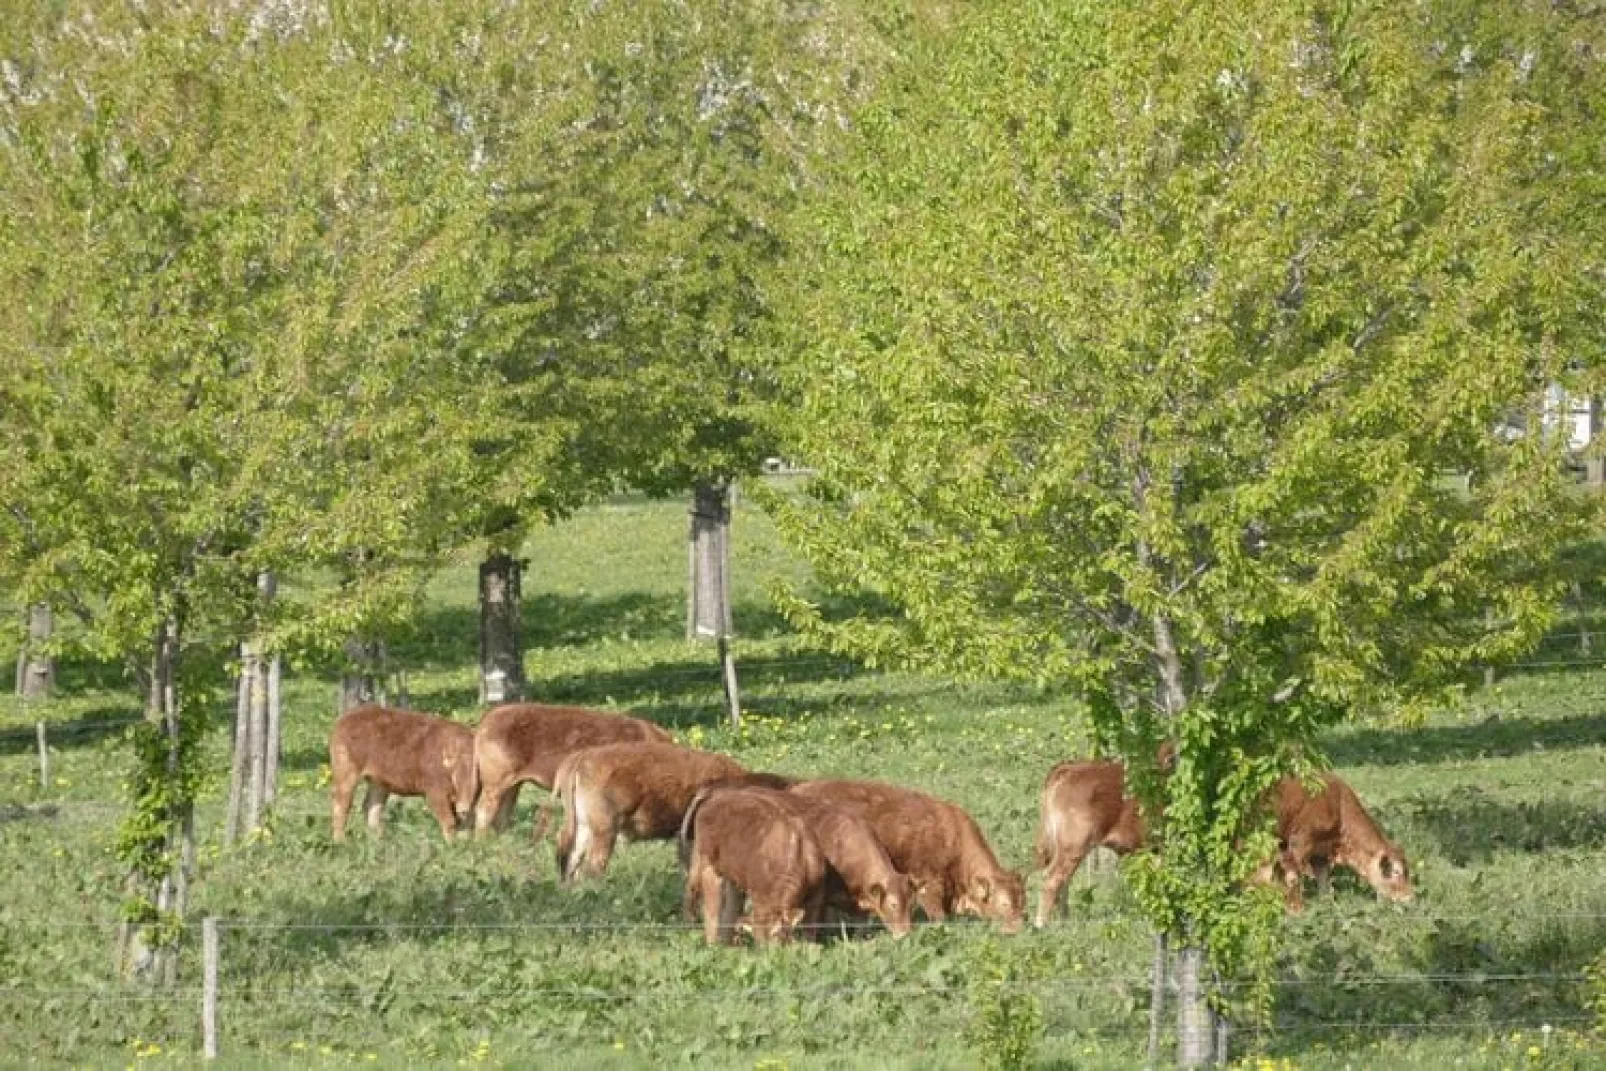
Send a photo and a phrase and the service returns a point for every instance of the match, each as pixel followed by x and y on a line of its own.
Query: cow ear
pixel 878 894
pixel 980 890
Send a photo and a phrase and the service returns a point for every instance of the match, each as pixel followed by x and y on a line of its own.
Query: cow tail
pixel 566 786
pixel 686 837
pixel 1046 833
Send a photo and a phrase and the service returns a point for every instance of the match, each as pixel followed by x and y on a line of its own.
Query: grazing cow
pixel 1084 806
pixel 860 879
pixel 1330 828
pixel 640 790
pixel 401 752
pixel 521 742
pixel 937 845
pixel 748 840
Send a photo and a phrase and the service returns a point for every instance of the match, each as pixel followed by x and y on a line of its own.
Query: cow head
pixel 1390 876
pixel 891 903
pixel 1001 897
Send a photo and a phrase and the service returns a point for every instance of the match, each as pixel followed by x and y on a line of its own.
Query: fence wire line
pixel 269 994
pixel 580 925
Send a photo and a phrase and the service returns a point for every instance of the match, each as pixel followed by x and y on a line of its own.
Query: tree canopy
pixel 1136 344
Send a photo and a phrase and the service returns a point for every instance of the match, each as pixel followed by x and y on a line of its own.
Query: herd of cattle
pixel 795 852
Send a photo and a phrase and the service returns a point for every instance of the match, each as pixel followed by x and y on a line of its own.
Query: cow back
pixel 531 739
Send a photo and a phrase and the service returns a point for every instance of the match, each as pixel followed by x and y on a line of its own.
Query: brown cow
pixel 640 790
pixel 749 839
pixel 522 742
pixel 1084 806
pixel 937 845
pixel 860 879
pixel 401 752
pixel 1330 828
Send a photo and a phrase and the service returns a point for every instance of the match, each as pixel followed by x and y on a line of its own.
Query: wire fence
pixel 260 992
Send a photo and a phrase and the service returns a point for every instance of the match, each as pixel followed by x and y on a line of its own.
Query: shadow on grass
pixel 88 728
pixel 1493 737
pixel 451 909
pixel 1471 826
pixel 449 636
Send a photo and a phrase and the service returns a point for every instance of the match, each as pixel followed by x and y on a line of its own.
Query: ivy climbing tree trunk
pixel 36 670
pixel 158 838
pixel 501 645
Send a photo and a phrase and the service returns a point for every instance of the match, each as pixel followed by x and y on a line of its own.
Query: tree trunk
pixel 254 772
pixel 257 758
pixel 139 957
pixel 708 608
pixel 1157 997
pixel 359 684
pixel 36 670
pixel 270 785
pixel 233 823
pixel 1196 1026
pixel 501 646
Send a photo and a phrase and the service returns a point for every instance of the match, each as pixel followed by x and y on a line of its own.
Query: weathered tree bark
pixel 233 822
pixel 36 670
pixel 1595 463
pixel 501 643
pixel 254 772
pixel 1157 979
pixel 270 785
pixel 257 758
pixel 359 683
pixel 727 673
pixel 708 609
pixel 1196 1027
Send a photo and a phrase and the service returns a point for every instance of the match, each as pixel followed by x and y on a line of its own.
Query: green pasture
pixel 411 952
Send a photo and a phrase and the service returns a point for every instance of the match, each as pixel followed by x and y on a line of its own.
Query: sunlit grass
pixel 411 952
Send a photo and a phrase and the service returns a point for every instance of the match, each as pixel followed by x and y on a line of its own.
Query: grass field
pixel 408 951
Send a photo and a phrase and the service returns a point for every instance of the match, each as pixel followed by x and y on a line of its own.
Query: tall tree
pixel 644 205
pixel 236 256
pixel 1135 343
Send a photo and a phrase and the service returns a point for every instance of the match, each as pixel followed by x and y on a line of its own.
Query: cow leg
pixel 441 804
pixel 691 896
pixel 732 898
pixel 488 811
pixel 716 930
pixel 1294 860
pixel 373 804
pixel 1060 871
pixel 1322 871
pixel 594 860
pixel 345 786
pixel 813 918
pixel 542 820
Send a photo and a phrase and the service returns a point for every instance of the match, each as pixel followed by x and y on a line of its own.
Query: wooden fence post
pixel 727 665
pixel 209 957
pixel 44 755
